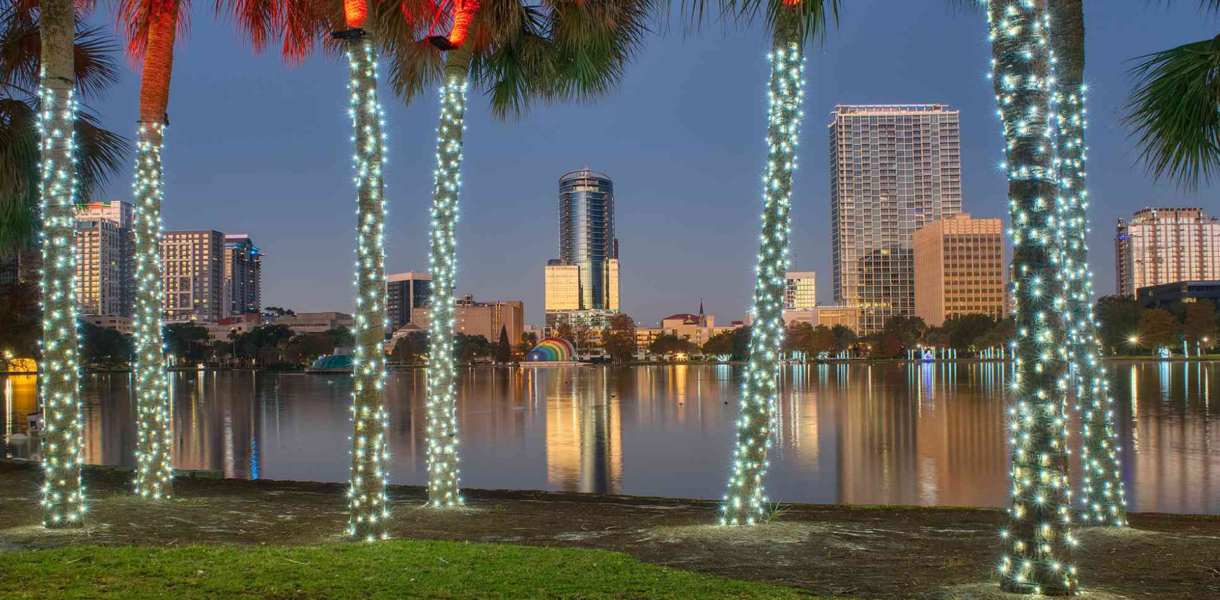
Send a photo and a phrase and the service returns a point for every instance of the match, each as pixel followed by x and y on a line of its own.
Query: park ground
pixel 245 539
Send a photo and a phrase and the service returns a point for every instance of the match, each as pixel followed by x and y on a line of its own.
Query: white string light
pixel 746 500
pixel 442 432
pixel 1037 534
pixel 369 511
pixel 63 494
pixel 1103 498
pixel 154 423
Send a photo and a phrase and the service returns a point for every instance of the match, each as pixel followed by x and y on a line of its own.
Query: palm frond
pixel 593 43
pixel 18 175
pixel 21 52
pixel 1174 112
pixel 416 67
pixel 974 7
pixel 101 153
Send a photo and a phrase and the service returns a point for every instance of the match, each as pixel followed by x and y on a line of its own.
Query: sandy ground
pixel 902 552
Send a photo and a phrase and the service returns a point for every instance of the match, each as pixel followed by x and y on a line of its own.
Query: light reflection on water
pixel 866 434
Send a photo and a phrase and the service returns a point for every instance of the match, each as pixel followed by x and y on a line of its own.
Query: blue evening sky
pixel 262 149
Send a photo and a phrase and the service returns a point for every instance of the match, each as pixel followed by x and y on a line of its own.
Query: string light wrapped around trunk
pixel 369 511
pixel 1103 498
pixel 155 471
pixel 1037 533
pixel 745 503
pixel 63 494
pixel 442 433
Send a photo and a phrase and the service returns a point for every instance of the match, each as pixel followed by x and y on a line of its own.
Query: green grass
pixel 395 569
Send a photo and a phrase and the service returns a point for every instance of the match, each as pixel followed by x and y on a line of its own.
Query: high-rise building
pixel 959 269
pixel 193 272
pixel 1166 245
pixel 586 233
pixel 481 318
pixel 406 292
pixel 893 169
pixel 243 285
pixel 585 277
pixel 800 290
pixel 105 259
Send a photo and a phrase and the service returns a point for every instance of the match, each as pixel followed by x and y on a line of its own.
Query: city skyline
pixel 686 173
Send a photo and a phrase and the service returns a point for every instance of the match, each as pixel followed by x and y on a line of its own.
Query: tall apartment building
pixel 406 292
pixel 800 290
pixel 1166 245
pixel 481 318
pixel 959 268
pixel 193 272
pixel 105 259
pixel 243 273
pixel 893 170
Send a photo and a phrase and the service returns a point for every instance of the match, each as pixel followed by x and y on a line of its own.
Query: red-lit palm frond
pixel 134 18
pixel 302 26
pixel 554 51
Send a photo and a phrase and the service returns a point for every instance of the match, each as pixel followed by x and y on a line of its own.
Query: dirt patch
pixel 992 591
pixel 894 553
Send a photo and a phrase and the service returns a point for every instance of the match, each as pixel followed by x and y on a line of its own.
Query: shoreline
pixel 841 551
pixel 734 363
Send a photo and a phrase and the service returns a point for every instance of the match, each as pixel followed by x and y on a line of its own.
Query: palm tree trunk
pixel 63 497
pixel 1037 533
pixel 155 472
pixel 443 473
pixel 746 502
pixel 369 510
pixel 1103 494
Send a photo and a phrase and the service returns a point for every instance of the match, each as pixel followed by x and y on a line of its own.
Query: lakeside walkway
pixel 834 551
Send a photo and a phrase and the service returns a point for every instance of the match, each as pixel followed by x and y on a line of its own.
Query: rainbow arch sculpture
pixel 552 350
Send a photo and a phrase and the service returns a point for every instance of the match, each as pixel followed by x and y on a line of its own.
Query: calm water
pixel 893 433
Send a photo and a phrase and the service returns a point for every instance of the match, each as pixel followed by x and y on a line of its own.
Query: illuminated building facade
pixel 1166 245
pixel 243 285
pixel 959 269
pixel 893 169
pixel 194 275
pixel 406 292
pixel 105 259
pixel 800 290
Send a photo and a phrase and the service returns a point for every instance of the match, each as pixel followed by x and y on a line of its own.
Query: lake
pixel 887 433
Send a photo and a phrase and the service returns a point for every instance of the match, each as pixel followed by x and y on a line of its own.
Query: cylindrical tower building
pixel 586 234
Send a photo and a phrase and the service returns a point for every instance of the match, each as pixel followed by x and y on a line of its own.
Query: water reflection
pixel 930 434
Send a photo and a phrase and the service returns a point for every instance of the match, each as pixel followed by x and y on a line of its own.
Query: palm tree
pixel 1174 110
pixel 1103 495
pixel 1037 531
pixel 517 54
pixel 152 27
pixel 792 24
pixel 49 52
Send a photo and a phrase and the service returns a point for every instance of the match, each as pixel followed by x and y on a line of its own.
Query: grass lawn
pixel 395 569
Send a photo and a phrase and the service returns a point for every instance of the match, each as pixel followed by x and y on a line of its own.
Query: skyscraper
pixel 193 275
pixel 800 290
pixel 1166 245
pixel 585 277
pixel 243 284
pixel 105 259
pixel 586 232
pixel 959 269
pixel 406 292
pixel 893 169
